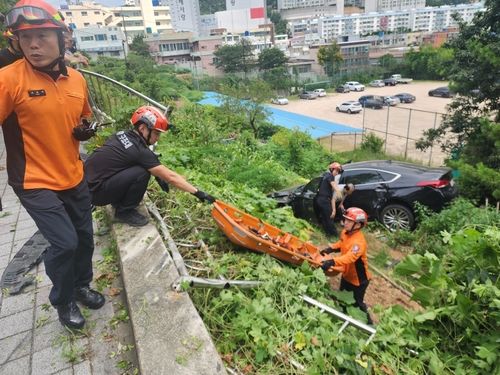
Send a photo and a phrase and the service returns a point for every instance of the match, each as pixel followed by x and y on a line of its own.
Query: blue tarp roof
pixel 316 127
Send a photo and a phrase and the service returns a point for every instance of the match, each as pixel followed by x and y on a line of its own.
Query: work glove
pixel 328 250
pixel 163 184
pixel 202 196
pixel 327 264
pixel 85 130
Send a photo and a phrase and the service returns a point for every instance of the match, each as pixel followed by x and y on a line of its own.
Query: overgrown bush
pixel 372 143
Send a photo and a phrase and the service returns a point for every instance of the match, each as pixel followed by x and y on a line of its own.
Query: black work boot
pixel 132 218
pixel 90 298
pixel 70 315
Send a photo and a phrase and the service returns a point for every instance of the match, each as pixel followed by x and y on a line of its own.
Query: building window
pixel 87 38
pixel 115 53
pixel 158 23
pixel 113 37
pixel 99 23
pixel 203 47
pixel 101 37
pixel 97 12
pixel 215 60
pixel 86 24
pixel 156 14
pixel 217 46
pixel 69 13
pixel 84 14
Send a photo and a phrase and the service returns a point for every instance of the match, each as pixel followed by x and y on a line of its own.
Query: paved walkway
pixel 32 341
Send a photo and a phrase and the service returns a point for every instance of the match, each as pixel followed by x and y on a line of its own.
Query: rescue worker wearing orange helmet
pixel 325 202
pixel 118 173
pixel 12 53
pixel 42 104
pixel 352 247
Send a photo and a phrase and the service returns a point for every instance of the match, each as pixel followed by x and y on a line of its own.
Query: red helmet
pixel 33 14
pixel 357 215
pixel 336 166
pixel 150 116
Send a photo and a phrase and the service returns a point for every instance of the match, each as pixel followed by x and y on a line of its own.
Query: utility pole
pixel 125 45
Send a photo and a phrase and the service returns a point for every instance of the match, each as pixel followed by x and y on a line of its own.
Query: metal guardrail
pixel 102 104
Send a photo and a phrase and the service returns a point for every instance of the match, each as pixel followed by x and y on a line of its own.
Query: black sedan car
pixel 387 190
pixel 406 98
pixel 443 92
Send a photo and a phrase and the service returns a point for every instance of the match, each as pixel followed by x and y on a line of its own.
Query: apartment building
pixel 101 41
pixel 439 37
pixel 148 17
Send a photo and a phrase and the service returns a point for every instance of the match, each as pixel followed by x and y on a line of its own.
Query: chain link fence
pixel 399 127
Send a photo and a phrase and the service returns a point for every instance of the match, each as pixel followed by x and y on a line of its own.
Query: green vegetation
pixel 330 58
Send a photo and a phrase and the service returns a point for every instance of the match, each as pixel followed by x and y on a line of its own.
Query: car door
pixel 303 203
pixel 370 189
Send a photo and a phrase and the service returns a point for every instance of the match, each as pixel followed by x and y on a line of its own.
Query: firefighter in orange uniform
pixel 352 247
pixel 42 106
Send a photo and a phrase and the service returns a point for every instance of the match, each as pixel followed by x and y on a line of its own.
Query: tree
pixel 470 128
pixel 279 23
pixel 242 105
pixel 387 61
pixel 235 58
pixel 5 5
pixel 330 58
pixel 140 47
pixel 272 58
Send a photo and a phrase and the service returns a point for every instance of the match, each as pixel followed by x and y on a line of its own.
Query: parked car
pixel 365 98
pixel 391 100
pixel 377 83
pixel 390 82
pixel 343 89
pixel 281 100
pixel 320 92
pixel 386 190
pixel 308 95
pixel 375 104
pixel 349 107
pixel 444 92
pixel 406 98
pixel 355 86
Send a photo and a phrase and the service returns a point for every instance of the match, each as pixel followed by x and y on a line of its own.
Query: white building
pixel 143 19
pixel 101 41
pixel 427 19
pixel 392 5
pixel 185 15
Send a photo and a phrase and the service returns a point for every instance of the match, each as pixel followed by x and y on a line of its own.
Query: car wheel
pixel 349 111
pixel 338 109
pixel 397 217
pixel 430 94
pixel 403 101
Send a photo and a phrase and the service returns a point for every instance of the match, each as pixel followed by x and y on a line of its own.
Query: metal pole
pixel 408 134
pixel 331 142
pixel 363 125
pixel 387 128
pixel 434 128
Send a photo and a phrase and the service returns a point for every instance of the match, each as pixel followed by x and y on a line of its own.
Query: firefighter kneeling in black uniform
pixel 118 173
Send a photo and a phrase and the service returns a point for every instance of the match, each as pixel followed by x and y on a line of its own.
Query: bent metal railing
pixel 102 103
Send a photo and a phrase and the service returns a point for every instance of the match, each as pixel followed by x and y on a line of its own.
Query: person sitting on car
pixel 118 173
pixel 325 202
pixel 352 248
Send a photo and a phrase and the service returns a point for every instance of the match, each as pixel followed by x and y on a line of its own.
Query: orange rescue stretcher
pixel 251 233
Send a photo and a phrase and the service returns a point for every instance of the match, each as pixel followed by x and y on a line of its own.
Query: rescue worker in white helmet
pixel 42 103
pixel 118 172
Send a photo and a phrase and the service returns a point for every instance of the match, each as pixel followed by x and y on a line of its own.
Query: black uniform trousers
pixel 359 295
pixel 65 220
pixel 124 190
pixel 324 208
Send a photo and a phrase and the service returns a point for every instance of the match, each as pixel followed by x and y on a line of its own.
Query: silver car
pixel 377 83
pixel 308 95
pixel 349 107
pixel 391 100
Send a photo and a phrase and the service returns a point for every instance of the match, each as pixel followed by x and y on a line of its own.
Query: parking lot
pixel 400 125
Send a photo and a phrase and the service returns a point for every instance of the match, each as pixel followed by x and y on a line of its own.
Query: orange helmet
pixel 8 34
pixel 150 116
pixel 336 166
pixel 357 215
pixel 33 14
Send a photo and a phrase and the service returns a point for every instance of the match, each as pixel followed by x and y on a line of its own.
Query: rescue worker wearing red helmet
pixel 42 103
pixel 325 201
pixel 118 172
pixel 352 249
pixel 12 53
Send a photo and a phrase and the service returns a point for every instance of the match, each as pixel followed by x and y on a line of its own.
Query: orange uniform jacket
pixel 353 257
pixel 38 116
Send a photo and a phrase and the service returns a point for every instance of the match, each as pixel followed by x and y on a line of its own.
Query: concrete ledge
pixel 170 336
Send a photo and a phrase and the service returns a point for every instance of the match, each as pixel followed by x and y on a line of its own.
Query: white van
pixel 320 92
